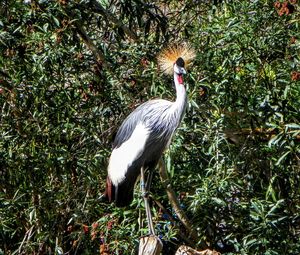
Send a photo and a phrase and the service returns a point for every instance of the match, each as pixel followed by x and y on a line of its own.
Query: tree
pixel 72 70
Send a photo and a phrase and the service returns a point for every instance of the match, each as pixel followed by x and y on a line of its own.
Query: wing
pixel 140 137
pixel 126 129
pixel 146 113
pixel 140 141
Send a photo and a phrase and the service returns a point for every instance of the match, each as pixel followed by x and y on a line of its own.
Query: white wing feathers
pixel 123 157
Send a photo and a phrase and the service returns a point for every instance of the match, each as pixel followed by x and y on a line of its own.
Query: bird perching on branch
pixel 146 133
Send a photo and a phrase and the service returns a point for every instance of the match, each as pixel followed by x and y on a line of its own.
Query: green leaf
pixel 282 158
pixel 56 21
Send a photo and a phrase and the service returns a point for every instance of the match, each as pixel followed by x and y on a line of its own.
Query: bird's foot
pixel 145 194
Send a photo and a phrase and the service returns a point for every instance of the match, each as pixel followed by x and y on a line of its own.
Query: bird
pixel 147 132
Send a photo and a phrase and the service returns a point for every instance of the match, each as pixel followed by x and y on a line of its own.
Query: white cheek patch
pixel 123 157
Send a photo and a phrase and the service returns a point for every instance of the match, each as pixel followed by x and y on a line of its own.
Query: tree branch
pixel 180 233
pixel 174 201
pixel 185 250
pixel 111 17
pixel 89 43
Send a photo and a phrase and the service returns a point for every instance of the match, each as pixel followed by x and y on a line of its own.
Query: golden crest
pixel 168 57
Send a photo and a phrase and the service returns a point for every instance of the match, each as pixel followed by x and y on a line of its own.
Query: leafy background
pixel 70 72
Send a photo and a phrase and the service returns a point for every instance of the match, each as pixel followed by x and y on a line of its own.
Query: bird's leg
pixel 149 180
pixel 146 201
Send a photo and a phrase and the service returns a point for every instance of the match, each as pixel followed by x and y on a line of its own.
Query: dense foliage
pixel 70 71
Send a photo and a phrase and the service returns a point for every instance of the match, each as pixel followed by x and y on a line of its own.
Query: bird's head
pixel 179 70
pixel 179 66
pixel 175 59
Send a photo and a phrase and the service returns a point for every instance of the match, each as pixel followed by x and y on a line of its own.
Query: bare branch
pixel 180 233
pixel 89 43
pixel 185 250
pixel 111 17
pixel 174 201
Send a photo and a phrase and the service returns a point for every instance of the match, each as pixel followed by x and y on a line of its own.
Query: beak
pixel 182 70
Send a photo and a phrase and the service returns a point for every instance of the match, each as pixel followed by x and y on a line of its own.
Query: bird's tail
pixel 109 193
pixel 121 194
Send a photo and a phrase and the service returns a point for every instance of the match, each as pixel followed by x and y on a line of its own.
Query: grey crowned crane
pixel 146 133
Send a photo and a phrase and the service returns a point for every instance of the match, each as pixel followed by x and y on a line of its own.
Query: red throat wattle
pixel 180 79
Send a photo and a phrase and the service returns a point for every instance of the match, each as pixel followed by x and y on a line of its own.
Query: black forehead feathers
pixel 180 62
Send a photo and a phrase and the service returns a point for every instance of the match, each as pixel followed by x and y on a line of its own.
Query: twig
pixel 26 236
pixel 174 201
pixel 182 235
pixel 99 56
pixel 111 17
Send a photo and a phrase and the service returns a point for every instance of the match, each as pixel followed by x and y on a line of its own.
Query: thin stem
pixel 98 55
pixel 97 7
